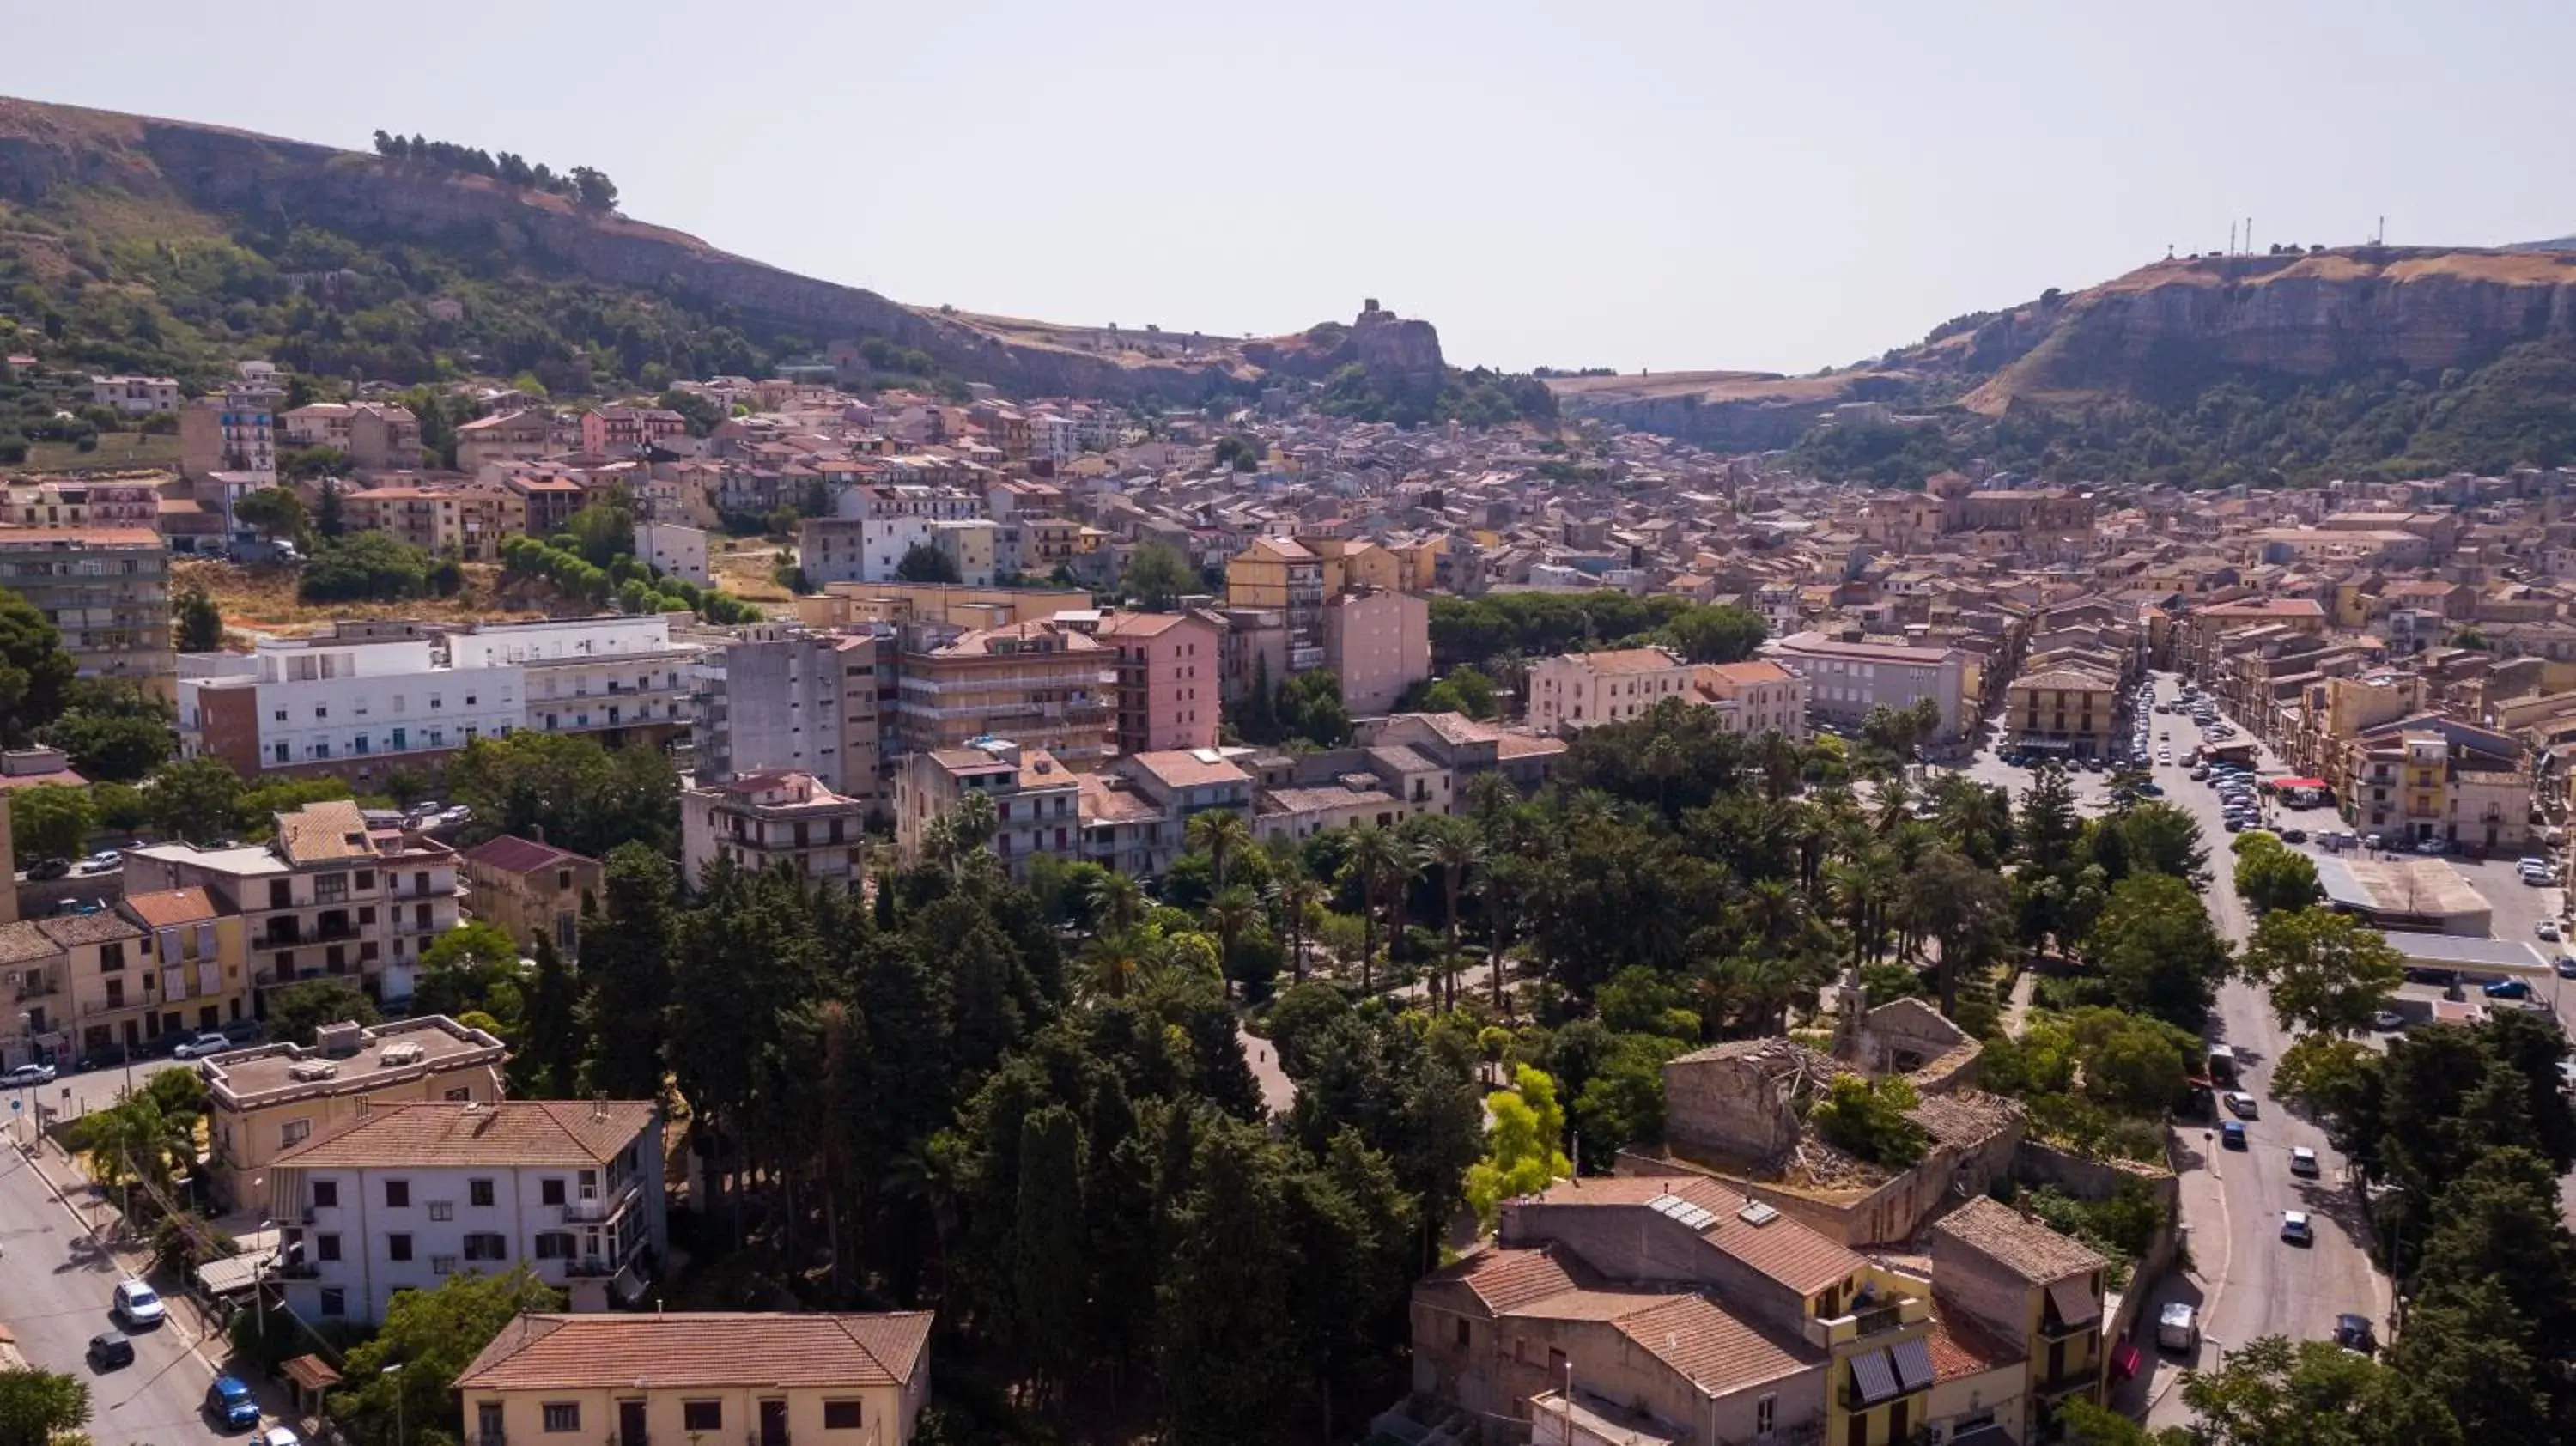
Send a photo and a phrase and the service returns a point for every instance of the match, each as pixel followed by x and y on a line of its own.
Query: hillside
pixel 129 243
pixel 2200 370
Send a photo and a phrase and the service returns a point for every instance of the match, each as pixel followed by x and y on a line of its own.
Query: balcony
pixel 2073 1380
pixel 589 1267
pixel 593 1209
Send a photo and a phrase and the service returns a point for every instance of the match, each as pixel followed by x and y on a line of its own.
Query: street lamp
pixel 395 1369
pixel 259 1283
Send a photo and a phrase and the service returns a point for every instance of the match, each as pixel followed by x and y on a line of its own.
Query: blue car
pixel 2232 1135
pixel 230 1405
pixel 2509 989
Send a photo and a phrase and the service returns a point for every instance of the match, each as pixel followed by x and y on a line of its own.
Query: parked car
pixel 2433 846
pixel 27 1074
pixel 2388 1021
pixel 105 861
pixel 2232 1135
pixel 2178 1327
pixel 2353 1333
pixel 110 1349
pixel 2242 1105
pixel 2295 1228
pixel 138 1305
pixel 198 1046
pixel 280 1436
pixel 2565 964
pixel 2294 835
pixel 2545 930
pixel 2508 989
pixel 231 1406
pixel 48 869
pixel 2303 1161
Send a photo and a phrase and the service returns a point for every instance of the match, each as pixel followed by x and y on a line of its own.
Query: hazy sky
pixel 1780 185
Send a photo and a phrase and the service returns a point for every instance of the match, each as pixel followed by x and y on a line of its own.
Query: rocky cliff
pixel 48 150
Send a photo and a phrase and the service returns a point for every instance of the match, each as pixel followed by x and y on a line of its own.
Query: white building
pixel 364 691
pixel 135 396
pixel 760 819
pixel 1578 690
pixel 1054 438
pixel 605 675
pixel 410 1194
pixel 677 551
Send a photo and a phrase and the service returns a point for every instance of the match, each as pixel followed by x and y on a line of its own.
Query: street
pixel 74 1095
pixel 54 1286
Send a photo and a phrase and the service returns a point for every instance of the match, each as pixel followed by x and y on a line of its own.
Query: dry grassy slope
pixel 182 175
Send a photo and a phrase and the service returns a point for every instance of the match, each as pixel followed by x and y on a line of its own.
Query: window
pixel 1462 1332
pixel 478 1193
pixel 326 1247
pixel 484 1245
pixel 702 1415
pixel 397 1247
pixel 293 1132
pixel 460 1093
pixel 1766 1413
pixel 335 1301
pixel 550 1191
pixel 442 1209
pixel 326 1194
pixel 442 1265
pixel 563 1415
pixel 554 1245
pixel 487 1420
pixel 397 1194
pixel 841 1415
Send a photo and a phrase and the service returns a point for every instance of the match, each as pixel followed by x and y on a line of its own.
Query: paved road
pixel 54 1285
pixel 2253 1283
pixel 76 1094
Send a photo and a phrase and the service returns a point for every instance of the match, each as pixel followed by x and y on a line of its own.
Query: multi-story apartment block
pixel 357 702
pixel 1048 685
pixel 159 964
pixel 135 396
pixel 683 1376
pixel 1581 690
pixel 673 550
pixel 2038 1292
pixel 760 819
pixel 1167 687
pixel 129 501
pixel 1036 800
pixel 2433 777
pixel 775 698
pixel 1283 575
pixel 521 436
pixel 328 897
pixel 1847 679
pixel 546 501
pixel 378 436
pixel 607 431
pixel 2074 712
pixel 621 678
pixel 409 1194
pixel 107 589
pixel 1754 698
pixel 233 433
pixel 531 889
pixel 1377 641
pixel 268 1099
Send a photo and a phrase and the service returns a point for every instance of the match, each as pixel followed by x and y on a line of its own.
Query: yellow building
pixel 763 1378
pixel 1276 572
pixel 194 957
pixel 842 604
pixel 266 1100
pixel 531 889
pixel 2039 1291
pixel 2071 711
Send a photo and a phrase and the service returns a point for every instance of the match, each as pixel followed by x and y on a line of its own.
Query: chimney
pixel 536 833
pixel 599 1105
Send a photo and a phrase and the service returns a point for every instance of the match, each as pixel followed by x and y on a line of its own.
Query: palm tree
pixel 1117 902
pixel 1293 896
pixel 1218 833
pixel 1663 762
pixel 1376 856
pixel 1765 983
pixel 1113 961
pixel 133 1140
pixel 1230 913
pixel 1450 846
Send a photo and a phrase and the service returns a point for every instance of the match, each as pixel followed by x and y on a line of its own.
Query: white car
pixel 2178 1327
pixel 2546 929
pixel 199 1046
pixel 2295 1228
pixel 2242 1105
pixel 2303 1161
pixel 279 1436
pixel 137 1305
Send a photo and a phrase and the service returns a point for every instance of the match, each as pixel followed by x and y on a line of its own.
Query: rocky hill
pixel 2355 360
pixel 129 241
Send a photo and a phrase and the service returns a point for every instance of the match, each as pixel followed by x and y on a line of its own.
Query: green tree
pixel 1871 1118
pixel 432 1336
pixel 587 797
pixel 2156 950
pixel 2272 1392
pixel 923 562
pixel 297 1012
pixel 40 1408
pixel 2333 1078
pixel 364 567
pixel 50 821
pixel 196 799
pixel 1156 577
pixel 471 967
pixel 547 1064
pixel 2272 876
pixel 197 625
pixel 277 512
pixel 2156 836
pixel 1723 633
pixel 626 950
pixel 35 672
pixel 601 532
pixel 114 733
pixel 1521 1150
pixel 2326 972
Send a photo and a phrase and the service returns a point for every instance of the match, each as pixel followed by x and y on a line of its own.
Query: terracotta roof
pixel 514 855
pixel 70 930
pixel 171 906
pixel 508 1132
pixel 22 940
pixel 1184 768
pixel 1961 1347
pixel 2027 1248
pixel 1746 673
pixel 1629 660
pixel 321 832
pixel 701 1349
pixel 1718 1352
pixel 1507 1277
pixel 1794 1255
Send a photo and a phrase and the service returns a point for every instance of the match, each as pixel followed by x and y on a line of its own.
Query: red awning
pixel 2317 783
pixel 2124 1359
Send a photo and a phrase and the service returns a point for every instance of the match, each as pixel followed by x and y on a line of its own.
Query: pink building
pixel 1378 642
pixel 1167 680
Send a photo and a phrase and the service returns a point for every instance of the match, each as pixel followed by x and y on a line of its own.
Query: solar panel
pixel 1757 1213
pixel 1873 1377
pixel 1682 1210
pixel 1913 1363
